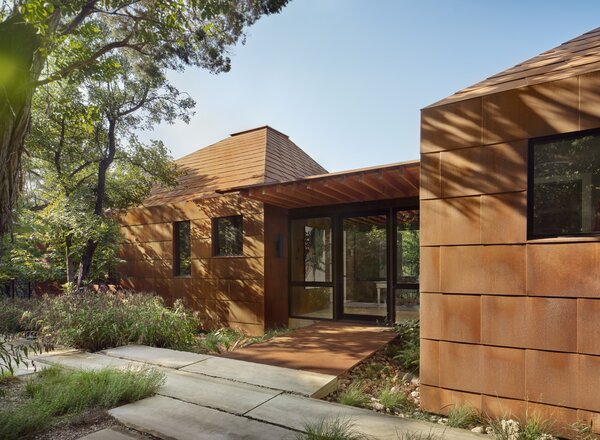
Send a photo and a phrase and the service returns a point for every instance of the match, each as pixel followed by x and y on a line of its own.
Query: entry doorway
pixel 355 265
pixel 364 289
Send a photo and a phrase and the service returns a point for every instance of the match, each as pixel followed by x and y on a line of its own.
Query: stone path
pixel 208 397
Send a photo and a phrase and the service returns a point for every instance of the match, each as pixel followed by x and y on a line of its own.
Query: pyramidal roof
pixel 574 57
pixel 259 155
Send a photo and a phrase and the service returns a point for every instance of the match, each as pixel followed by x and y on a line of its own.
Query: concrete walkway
pixel 207 397
pixel 328 347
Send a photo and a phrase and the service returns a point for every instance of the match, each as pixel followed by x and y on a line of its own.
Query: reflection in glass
pixel 228 236
pixel 311 250
pixel 407 246
pixel 407 304
pixel 365 265
pixel 566 186
pixel 312 302
pixel 183 260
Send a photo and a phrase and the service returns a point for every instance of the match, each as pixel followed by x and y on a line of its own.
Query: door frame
pixel 338 237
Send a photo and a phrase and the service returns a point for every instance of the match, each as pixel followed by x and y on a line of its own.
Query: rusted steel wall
pixel 507 325
pixel 228 291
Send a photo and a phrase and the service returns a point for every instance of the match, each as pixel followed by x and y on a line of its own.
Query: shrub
pixel 56 392
pixel 409 342
pixel 354 395
pixel 94 321
pixel 463 417
pixel 332 429
pixel 13 314
pixel 394 400
pixel 222 340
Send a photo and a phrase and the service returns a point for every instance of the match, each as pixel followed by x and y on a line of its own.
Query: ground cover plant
pixel 336 428
pixel 230 339
pixel 463 417
pixel 56 393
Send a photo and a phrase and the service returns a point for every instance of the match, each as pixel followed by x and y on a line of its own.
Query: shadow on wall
pixel 479 146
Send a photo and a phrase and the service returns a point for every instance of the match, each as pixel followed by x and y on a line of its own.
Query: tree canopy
pixel 45 41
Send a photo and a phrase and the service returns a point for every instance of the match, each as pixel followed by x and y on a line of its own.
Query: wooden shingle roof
pixel 260 155
pixel 574 57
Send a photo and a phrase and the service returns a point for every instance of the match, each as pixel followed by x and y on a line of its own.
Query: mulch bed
pixel 377 372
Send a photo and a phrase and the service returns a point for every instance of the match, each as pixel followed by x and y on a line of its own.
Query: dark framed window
pixel 227 236
pixel 564 185
pixel 182 251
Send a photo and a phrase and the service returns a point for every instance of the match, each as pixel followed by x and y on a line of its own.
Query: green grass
pixel 463 417
pixel 419 436
pixel 332 429
pixel 354 395
pixel 395 401
pixel 57 393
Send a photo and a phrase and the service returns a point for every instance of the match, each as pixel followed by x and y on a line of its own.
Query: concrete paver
pixel 306 383
pixel 225 395
pixel 218 398
pixel 173 419
pixel 87 361
pixel 295 412
pixel 157 356
pixel 112 434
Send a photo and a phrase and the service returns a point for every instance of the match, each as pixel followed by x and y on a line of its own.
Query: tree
pixel 85 158
pixel 46 41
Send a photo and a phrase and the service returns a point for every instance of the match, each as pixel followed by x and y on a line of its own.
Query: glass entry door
pixel 364 289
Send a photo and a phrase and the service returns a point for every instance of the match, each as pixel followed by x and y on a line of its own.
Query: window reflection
pixel 566 186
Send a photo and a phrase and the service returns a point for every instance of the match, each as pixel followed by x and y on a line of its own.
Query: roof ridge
pixel 550 65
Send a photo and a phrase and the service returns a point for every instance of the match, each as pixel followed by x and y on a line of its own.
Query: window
pixel 182 266
pixel 564 191
pixel 227 236
pixel 406 286
pixel 311 294
pixel 311 250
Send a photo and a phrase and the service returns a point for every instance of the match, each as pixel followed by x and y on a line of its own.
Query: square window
pixel 182 264
pixel 565 186
pixel 227 236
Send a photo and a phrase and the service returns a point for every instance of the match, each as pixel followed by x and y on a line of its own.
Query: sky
pixel 346 79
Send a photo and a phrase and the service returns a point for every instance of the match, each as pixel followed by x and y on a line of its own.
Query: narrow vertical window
pixel 227 236
pixel 182 264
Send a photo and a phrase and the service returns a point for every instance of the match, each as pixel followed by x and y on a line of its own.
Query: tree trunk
pixel 69 260
pixel 85 266
pixel 18 45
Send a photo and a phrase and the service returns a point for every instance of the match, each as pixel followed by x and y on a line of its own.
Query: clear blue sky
pixel 346 79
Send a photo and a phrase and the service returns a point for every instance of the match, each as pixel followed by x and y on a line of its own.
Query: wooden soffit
pixel 393 181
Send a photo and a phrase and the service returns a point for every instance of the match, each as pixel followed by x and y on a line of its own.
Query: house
pixel 258 235
pixel 510 241
pixel 494 235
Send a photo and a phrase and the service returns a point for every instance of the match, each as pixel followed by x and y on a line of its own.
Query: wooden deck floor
pixel 329 348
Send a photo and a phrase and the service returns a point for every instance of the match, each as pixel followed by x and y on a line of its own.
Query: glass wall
pixel 311 268
pixel 362 267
